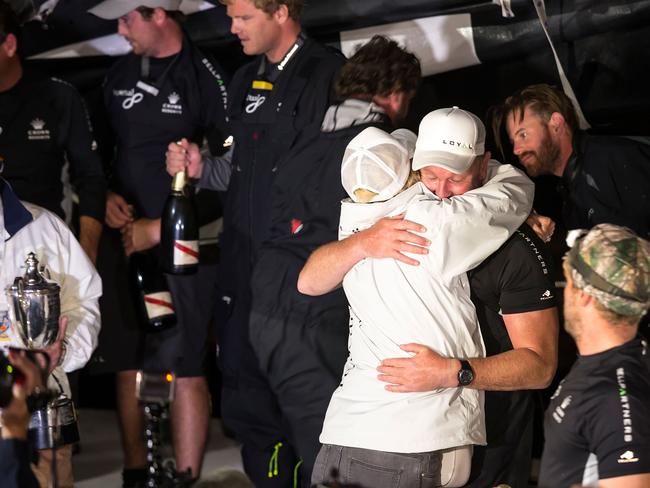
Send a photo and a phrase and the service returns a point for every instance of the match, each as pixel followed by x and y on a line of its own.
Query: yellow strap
pixel 273 462
pixel 262 85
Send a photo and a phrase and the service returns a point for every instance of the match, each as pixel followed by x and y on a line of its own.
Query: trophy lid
pixel 33 279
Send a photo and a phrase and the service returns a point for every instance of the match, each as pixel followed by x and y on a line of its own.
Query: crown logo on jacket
pixel 38 124
pixel 173 98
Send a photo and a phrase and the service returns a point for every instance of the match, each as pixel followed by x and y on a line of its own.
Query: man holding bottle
pixel 276 101
pixel 163 91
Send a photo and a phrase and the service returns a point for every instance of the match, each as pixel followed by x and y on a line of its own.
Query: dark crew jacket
pixel 292 110
pixel 306 209
pixel 190 102
pixel 607 179
pixel 43 121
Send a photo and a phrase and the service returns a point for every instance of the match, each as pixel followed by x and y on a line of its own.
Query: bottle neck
pixel 178 183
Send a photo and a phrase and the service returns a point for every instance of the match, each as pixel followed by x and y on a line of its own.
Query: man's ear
pixel 583 299
pixel 159 15
pixel 556 122
pixel 281 15
pixel 10 46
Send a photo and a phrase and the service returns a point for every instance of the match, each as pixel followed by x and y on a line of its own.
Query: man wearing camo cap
pixel 597 426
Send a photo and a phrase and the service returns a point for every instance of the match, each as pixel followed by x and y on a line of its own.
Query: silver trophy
pixel 34 309
pixel 34 306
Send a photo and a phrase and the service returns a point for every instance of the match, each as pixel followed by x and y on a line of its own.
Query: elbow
pixel 305 285
pixel 546 375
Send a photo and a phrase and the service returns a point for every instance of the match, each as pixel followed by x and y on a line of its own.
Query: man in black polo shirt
pixel 161 92
pixel 596 427
pixel 43 123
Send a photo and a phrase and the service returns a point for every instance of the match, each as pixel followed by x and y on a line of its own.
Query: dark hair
pixel 271 6
pixel 176 15
pixel 379 67
pixel 8 21
pixel 542 99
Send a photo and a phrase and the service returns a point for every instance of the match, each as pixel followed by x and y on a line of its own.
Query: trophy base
pixel 55 425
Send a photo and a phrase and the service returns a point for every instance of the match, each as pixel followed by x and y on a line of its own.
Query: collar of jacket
pixel 14 213
pixel 575 160
pixel 350 113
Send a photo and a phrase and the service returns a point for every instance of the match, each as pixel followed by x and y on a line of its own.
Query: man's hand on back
pixel 426 370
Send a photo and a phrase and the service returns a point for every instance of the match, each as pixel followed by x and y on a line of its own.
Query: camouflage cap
pixel 613 264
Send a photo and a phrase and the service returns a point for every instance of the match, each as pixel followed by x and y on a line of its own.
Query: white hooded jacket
pixel 28 228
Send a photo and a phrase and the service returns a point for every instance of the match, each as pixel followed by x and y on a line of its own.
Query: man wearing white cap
pixel 163 91
pixel 511 290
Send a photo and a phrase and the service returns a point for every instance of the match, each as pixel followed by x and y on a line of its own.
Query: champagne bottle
pixel 179 230
pixel 153 299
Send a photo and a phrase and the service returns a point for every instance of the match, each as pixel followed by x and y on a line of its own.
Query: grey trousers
pixel 366 468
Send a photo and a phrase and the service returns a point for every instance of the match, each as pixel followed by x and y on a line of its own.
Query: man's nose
pixel 442 190
pixel 121 27
pixel 517 148
pixel 234 27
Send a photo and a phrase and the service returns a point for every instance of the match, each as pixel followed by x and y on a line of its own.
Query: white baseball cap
pixel 378 162
pixel 450 138
pixel 114 9
pixel 406 138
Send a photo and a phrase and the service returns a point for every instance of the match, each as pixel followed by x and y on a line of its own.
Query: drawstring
pixel 273 462
pixel 295 474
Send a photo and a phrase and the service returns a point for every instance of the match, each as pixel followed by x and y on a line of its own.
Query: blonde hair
pixel 271 6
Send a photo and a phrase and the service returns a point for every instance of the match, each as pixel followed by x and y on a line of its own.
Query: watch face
pixel 465 376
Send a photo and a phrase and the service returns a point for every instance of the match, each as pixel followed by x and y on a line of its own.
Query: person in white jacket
pixel 393 303
pixel 27 228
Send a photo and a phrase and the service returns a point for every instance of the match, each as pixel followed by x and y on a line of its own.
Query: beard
pixel 544 160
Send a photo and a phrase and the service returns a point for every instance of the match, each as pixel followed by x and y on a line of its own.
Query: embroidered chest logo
pixel 547 295
pixel 38 132
pixel 254 102
pixel 173 106
pixel 627 457
pixel 131 97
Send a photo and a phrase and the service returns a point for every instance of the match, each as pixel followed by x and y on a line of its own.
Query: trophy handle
pixel 18 283
pixel 44 270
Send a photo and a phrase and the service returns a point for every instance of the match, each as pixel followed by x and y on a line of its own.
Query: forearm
pixel 631 481
pixel 327 266
pixel 216 171
pixel 518 369
pixel 90 230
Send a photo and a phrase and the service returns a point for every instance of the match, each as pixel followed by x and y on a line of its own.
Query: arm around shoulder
pixel 327 266
pixel 389 237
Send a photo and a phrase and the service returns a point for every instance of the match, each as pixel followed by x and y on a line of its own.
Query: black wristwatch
pixel 465 373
